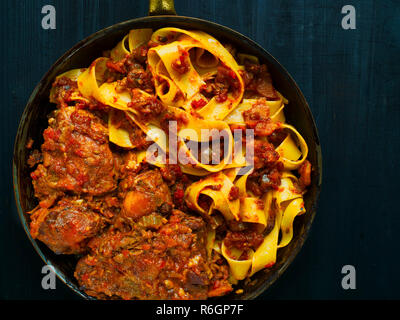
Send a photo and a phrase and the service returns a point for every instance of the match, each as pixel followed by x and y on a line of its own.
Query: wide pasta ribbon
pixel 252 208
pixel 290 154
pixel 217 187
pixel 239 267
pixel 175 43
pixel 281 207
pixel 189 82
pixel 290 204
pixel 260 212
pixel 89 81
pixel 91 84
pixel 130 42
pixel 194 130
pixel 265 255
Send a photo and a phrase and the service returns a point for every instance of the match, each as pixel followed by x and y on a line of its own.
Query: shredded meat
pixel 267 168
pixel 225 81
pixel 181 64
pixel 219 284
pixel 264 154
pixel 133 68
pixel 63 88
pixel 34 158
pixel 243 240
pixel 305 174
pixel 258 118
pixel 147 107
pixel 233 193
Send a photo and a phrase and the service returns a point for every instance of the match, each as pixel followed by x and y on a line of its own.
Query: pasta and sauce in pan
pixel 153 227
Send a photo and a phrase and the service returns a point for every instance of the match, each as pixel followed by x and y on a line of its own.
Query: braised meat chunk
pixel 144 194
pixel 66 227
pixel 76 157
pixel 143 263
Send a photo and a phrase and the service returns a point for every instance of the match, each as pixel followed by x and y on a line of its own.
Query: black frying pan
pixel 162 14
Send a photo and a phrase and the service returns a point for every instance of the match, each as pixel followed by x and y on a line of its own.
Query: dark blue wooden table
pixel 351 79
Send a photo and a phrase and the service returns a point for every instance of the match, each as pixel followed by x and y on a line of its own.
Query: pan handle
pixel 161 7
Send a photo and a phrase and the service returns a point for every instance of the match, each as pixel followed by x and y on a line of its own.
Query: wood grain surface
pixel 350 79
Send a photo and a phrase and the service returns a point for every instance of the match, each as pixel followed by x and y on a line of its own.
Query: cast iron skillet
pixel 162 14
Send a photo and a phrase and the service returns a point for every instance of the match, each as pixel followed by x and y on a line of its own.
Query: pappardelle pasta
pixel 200 214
